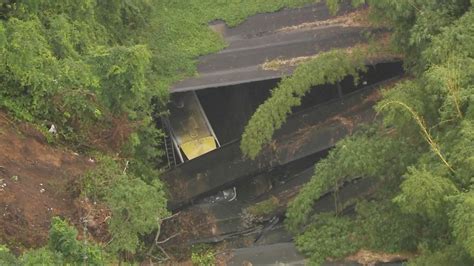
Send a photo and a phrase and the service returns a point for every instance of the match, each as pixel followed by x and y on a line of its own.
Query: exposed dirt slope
pixel 36 183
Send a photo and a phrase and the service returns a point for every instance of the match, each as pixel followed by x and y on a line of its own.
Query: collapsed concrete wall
pixel 259 222
pixel 304 134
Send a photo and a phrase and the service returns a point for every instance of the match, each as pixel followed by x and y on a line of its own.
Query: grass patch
pixel 265 207
pixel 203 255
pixel 184 33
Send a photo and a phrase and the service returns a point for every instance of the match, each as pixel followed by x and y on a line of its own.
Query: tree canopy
pixel 421 153
pixel 100 71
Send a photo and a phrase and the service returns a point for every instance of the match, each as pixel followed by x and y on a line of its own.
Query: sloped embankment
pixel 36 183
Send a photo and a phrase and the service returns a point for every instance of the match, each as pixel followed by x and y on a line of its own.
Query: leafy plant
pixel 327 237
pixel 63 248
pixel 264 207
pixel 63 240
pixel 203 255
pixel 422 152
pixel 424 193
pixel 133 214
pixel 462 221
pixel 41 256
pixel 6 257
pixel 381 225
pixel 329 67
pixel 449 255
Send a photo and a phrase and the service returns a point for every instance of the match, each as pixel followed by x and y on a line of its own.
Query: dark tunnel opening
pixel 229 108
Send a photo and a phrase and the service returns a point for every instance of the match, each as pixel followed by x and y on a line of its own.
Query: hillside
pixel 37 183
pixel 210 132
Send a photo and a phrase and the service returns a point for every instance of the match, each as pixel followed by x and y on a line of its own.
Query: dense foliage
pixel 203 255
pixel 328 68
pixel 94 68
pixel 137 206
pixel 100 71
pixel 422 153
pixel 63 248
pixel 328 237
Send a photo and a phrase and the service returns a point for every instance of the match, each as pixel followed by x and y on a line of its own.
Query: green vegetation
pixel 6 258
pixel 63 240
pixel 100 71
pixel 328 237
pixel 203 255
pixel 90 66
pixel 136 205
pixel 63 248
pixel 42 256
pixel 264 207
pixel 328 68
pixel 422 153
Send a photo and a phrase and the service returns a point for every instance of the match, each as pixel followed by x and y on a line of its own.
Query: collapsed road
pixel 220 195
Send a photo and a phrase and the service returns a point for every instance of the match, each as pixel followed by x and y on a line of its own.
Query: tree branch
pixel 169 238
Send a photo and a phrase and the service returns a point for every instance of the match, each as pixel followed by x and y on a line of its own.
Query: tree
pixel 137 206
pixel 99 71
pixel 328 68
pixel 421 153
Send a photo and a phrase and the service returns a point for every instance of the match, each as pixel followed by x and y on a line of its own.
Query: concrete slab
pixel 269 36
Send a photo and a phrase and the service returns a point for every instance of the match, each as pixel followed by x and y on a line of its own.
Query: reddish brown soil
pixel 370 258
pixel 36 183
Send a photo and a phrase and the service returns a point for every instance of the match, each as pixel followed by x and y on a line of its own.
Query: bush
pixel 328 237
pixel 42 256
pixel 382 226
pixel 63 239
pixel 264 207
pixel 136 205
pixel 63 248
pixel 136 210
pixel 450 255
pixel 6 257
pixel 94 184
pixel 203 255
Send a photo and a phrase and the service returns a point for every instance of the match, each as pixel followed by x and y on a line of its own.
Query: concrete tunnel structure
pixel 212 109
pixel 209 180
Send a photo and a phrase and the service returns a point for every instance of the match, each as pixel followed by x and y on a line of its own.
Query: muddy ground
pixel 37 182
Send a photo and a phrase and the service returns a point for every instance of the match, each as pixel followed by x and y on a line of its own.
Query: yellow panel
pixel 198 147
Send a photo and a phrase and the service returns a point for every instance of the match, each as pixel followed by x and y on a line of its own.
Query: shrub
pixel 41 256
pixel 203 255
pixel 328 237
pixel 6 257
pixel 63 239
pixel 136 205
pixel 136 210
pixel 264 207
